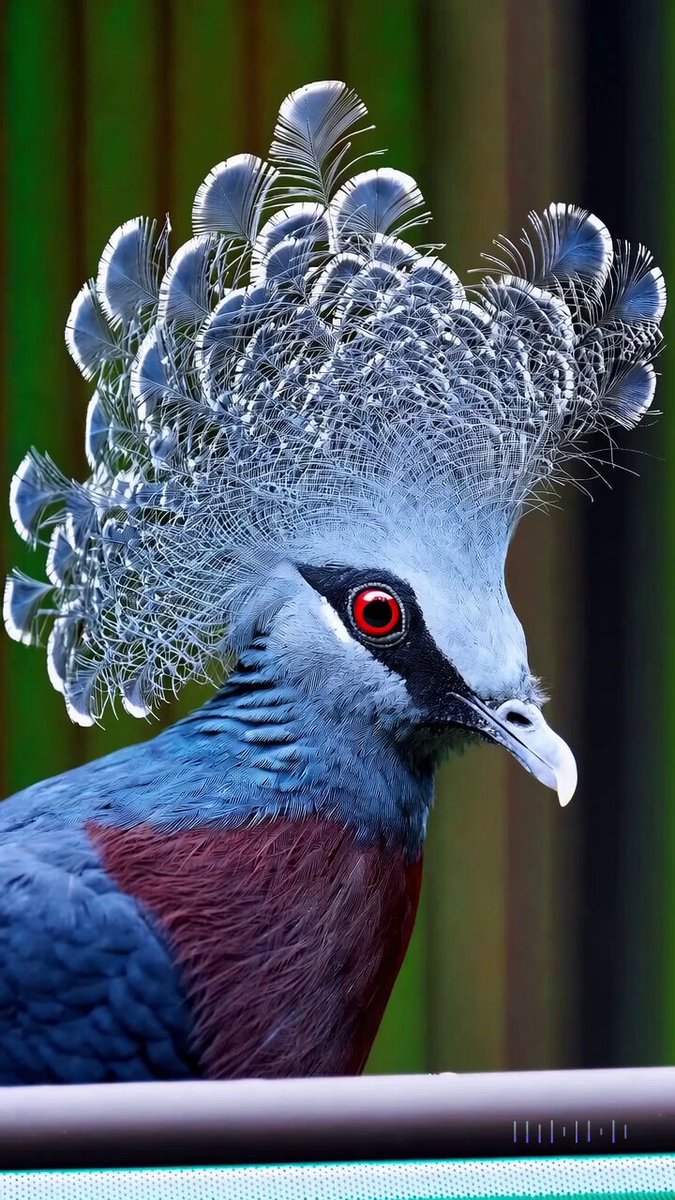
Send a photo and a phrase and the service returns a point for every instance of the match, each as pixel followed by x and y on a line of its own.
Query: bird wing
pixel 88 991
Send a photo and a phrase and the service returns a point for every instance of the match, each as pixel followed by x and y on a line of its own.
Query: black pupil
pixel 378 613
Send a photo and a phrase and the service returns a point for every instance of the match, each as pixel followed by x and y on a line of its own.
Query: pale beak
pixel 522 730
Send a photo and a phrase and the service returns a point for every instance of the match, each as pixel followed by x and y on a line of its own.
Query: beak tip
pixel 567 779
pixel 535 746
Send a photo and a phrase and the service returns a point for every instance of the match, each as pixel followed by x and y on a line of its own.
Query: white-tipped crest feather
pixel 231 199
pixel 311 137
pixel 130 269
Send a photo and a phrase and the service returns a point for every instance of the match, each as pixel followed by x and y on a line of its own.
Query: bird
pixel 309 445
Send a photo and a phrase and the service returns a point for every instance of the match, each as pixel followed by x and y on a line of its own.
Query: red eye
pixel 376 612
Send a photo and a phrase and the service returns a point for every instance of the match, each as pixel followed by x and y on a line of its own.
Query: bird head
pixel 304 424
pixel 408 635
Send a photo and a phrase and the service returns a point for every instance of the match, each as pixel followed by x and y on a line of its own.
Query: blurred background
pixel 546 937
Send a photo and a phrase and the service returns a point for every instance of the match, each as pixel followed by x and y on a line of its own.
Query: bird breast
pixel 288 936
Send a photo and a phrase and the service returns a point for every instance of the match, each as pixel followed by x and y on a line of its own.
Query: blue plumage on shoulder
pixel 88 989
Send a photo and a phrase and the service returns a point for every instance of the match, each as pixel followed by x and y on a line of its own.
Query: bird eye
pixel 376 612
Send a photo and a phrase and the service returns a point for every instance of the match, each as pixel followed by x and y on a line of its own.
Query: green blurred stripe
pixel 233 67
pixel 468 112
pixel 124 173
pixel 382 57
pixel 36 376
pixel 122 117
pixel 209 125
pixel 207 97
pixel 467 849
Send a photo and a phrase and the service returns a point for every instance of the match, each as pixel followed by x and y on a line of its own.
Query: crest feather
pixel 231 198
pixel 297 375
pixel 311 137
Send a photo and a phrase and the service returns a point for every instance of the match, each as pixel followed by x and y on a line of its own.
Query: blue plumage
pixel 88 991
pixel 309 445
pixel 255 751
pixel 91 988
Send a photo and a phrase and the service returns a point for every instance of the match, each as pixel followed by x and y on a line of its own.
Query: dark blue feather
pixel 88 992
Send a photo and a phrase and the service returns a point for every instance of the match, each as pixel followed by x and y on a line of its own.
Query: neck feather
pixel 279 755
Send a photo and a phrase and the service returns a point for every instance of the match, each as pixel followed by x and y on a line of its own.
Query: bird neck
pixel 275 754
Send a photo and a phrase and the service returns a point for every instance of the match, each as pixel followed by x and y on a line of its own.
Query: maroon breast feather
pixel 288 934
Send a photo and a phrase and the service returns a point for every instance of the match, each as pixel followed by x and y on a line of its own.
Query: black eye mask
pixel 413 654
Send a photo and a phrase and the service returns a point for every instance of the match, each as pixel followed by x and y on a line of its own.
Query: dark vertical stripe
pixel 626 1001
pixel 606 134
pixel 541 563
pixel 662 871
pixel 292 48
pixel 645 994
